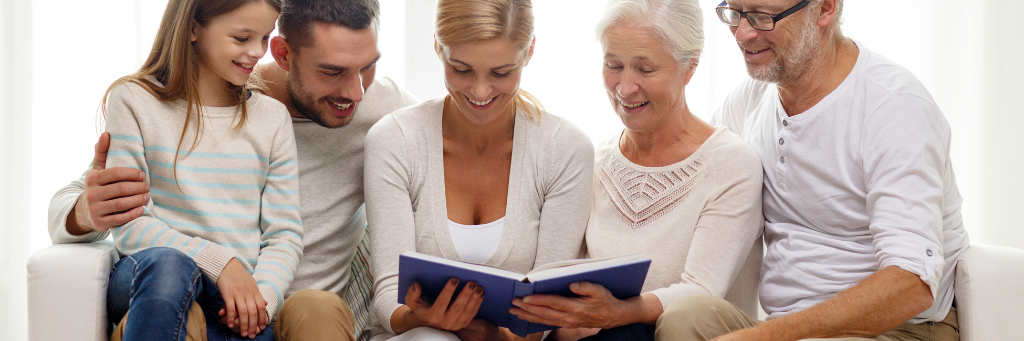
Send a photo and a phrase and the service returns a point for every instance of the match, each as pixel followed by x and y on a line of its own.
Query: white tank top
pixel 476 243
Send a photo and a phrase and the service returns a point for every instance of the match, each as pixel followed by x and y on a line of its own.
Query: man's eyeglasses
pixel 758 20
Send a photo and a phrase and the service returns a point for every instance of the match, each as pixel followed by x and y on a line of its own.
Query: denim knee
pixel 169 272
pixel 161 273
pixel 164 259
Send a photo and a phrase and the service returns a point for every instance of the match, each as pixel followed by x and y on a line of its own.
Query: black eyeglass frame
pixel 724 6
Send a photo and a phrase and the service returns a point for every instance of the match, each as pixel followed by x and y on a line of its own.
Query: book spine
pixel 516 325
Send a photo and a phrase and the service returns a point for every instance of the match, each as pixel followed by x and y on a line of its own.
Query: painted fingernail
pixel 454 281
pixel 471 285
pixel 480 290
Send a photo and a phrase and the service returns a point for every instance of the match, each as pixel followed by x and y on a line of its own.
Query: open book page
pixel 577 266
pixel 487 269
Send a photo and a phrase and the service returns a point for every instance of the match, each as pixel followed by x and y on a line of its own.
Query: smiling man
pixel 326 60
pixel 862 212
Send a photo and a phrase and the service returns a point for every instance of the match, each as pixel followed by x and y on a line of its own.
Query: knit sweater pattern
pixel 229 193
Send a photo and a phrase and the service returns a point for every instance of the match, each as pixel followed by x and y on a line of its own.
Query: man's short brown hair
pixel 297 17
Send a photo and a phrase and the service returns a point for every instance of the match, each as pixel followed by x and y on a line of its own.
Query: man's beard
pixel 788 65
pixel 306 105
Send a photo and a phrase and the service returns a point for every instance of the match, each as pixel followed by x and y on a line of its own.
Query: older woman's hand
pixel 595 308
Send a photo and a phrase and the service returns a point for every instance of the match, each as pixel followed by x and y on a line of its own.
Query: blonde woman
pixel 482 175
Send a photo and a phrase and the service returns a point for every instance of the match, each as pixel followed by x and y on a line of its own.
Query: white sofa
pixel 67 292
pixel 67 288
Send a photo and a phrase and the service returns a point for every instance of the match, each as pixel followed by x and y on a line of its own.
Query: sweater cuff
pixel 212 259
pixel 386 304
pixel 273 304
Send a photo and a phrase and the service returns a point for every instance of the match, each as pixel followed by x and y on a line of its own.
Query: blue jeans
pixel 159 285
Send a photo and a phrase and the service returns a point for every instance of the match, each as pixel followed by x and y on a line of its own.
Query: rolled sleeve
pixel 904 156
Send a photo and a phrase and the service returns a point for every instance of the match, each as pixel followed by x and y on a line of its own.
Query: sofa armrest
pixel 67 291
pixel 989 291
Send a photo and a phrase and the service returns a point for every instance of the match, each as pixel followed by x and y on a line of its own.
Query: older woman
pixel 670 185
pixel 481 175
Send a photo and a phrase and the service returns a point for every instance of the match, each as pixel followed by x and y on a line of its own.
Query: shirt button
pixel 785 123
pixel 783 160
pixel 929 252
pixel 781 141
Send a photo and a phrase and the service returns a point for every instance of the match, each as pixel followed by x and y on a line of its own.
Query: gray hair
pixel 678 23
pixel 838 21
pixel 839 9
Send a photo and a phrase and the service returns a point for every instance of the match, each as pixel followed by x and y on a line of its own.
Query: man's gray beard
pixel 789 65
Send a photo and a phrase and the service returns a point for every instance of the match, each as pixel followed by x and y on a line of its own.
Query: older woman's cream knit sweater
pixel 699 219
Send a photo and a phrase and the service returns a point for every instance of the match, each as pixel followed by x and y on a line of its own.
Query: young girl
pixel 222 228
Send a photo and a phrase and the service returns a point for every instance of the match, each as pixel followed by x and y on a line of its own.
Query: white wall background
pixel 58 56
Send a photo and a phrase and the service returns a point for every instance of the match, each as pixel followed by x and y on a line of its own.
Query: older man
pixel 862 211
pixel 326 57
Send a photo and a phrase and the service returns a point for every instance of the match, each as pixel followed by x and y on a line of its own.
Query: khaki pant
pixel 702 318
pixel 312 314
pixel 307 315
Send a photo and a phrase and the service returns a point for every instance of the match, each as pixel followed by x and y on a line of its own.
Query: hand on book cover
pixel 440 314
pixel 595 307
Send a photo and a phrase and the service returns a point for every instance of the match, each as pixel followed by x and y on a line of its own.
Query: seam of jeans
pixel 182 323
pixel 131 285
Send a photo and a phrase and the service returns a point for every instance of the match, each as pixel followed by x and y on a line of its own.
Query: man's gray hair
pixel 678 23
pixel 838 20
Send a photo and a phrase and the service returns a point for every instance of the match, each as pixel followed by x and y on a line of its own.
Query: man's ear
pixel 826 12
pixel 282 52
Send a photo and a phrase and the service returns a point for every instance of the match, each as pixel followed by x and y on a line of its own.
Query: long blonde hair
pixel 461 21
pixel 174 62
